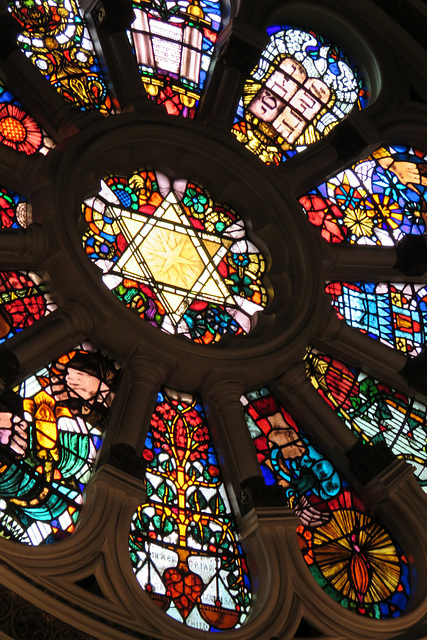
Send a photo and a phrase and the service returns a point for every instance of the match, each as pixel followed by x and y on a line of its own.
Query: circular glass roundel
pixel 182 260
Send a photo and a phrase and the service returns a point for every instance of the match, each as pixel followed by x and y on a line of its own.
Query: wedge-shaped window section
pixel 376 201
pixel 54 36
pixel 301 88
pixel 371 409
pixel 173 44
pixel 393 312
pixel 183 542
pixel 348 551
pixel 51 428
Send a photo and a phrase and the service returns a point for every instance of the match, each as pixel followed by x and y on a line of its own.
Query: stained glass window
pixel 395 313
pixel 183 543
pixel 182 260
pixel 377 201
pixel 300 89
pixel 173 42
pixel 372 410
pixel 54 36
pixel 350 554
pixel 51 428
pixel 15 212
pixel 19 130
pixel 24 299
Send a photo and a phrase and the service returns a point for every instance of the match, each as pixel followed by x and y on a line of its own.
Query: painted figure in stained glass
pixel 372 410
pixel 349 553
pixel 377 201
pixel 183 543
pixel 55 38
pixel 172 253
pixel 50 431
pixel 19 130
pixel 173 43
pixel 395 313
pixel 301 88
pixel 24 299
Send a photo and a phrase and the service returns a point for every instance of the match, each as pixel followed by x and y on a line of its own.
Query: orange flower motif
pixel 19 130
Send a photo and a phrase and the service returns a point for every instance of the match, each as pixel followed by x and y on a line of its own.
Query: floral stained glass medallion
pixel 183 543
pixel 51 428
pixel 372 410
pixel 18 130
pixel 54 36
pixel 376 201
pixel 24 299
pixel 395 313
pixel 300 89
pixel 180 259
pixel 173 43
pixel 348 551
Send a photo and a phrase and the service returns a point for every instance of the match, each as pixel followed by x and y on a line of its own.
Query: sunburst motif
pixel 172 258
pixel 357 556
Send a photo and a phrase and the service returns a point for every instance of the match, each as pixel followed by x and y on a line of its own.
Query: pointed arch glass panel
pixel 393 312
pixel 51 427
pixel 180 259
pixel 301 88
pixel 183 543
pixel 348 551
pixel 18 130
pixel 371 409
pixel 173 42
pixel 377 201
pixel 55 37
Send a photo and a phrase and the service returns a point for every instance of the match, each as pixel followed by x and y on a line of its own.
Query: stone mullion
pixel 374 470
pixel 22 248
pixel 354 347
pixel 143 377
pixel 54 335
pixel 239 48
pixel 234 442
pixel 111 19
pixel 304 400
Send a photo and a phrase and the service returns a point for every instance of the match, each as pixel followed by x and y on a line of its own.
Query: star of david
pixel 178 262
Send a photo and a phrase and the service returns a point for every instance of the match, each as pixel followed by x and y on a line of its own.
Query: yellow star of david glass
pixel 182 260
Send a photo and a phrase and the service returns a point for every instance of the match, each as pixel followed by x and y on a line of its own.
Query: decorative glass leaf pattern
pixel 349 553
pixel 15 212
pixel 51 428
pixel 173 42
pixel 55 38
pixel 371 409
pixel 395 313
pixel 182 260
pixel 24 299
pixel 376 201
pixel 19 130
pixel 183 543
pixel 300 89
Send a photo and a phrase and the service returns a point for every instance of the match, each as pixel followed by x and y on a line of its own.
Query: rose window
pixel 213 312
